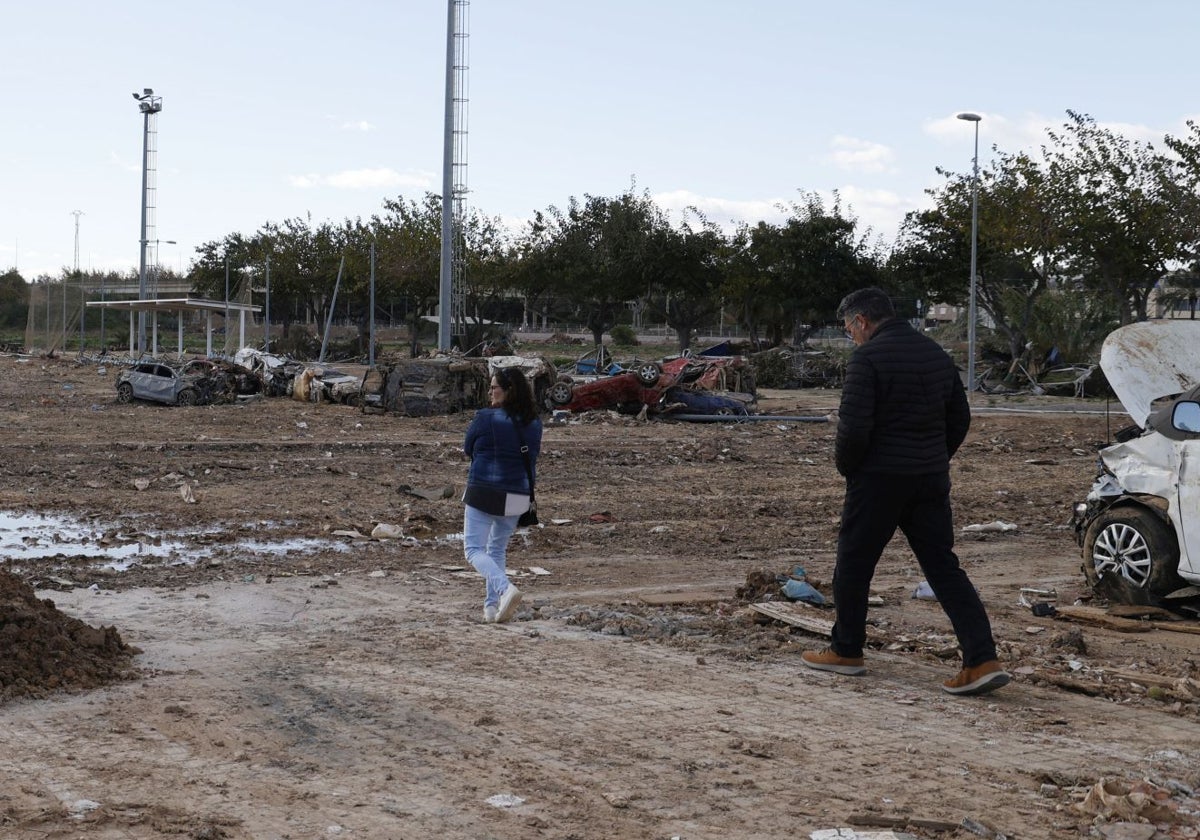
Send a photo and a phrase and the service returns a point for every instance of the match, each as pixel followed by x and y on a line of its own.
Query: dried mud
pixel 346 686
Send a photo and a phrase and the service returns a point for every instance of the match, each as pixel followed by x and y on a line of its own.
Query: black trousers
pixel 919 505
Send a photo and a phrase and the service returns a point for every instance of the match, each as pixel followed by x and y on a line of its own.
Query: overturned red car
pixel 683 385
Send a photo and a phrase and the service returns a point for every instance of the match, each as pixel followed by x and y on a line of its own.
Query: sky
pixel 322 110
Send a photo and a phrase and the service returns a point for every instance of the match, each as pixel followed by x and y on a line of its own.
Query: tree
pixel 1122 213
pixel 746 289
pixel 1018 252
pixel 408 239
pixel 14 300
pixel 814 259
pixel 599 254
pixel 691 265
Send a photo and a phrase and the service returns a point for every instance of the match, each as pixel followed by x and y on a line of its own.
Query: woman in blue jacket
pixel 498 484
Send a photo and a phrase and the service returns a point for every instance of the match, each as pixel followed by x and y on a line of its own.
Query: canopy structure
pixel 181 305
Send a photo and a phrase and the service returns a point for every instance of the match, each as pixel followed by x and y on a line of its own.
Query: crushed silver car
pixel 1140 525
pixel 157 382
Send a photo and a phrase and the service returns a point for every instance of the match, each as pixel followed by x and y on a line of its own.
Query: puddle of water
pixel 37 536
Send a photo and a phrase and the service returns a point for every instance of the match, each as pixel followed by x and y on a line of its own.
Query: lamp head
pixel 968 116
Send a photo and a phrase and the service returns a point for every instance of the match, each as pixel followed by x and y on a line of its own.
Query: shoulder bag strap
pixel 525 455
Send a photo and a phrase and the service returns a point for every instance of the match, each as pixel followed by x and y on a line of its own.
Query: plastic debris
pixel 802 590
pixel 924 592
pixel 504 800
pixel 990 527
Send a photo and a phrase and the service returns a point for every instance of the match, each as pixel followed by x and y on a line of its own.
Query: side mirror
pixel 1186 416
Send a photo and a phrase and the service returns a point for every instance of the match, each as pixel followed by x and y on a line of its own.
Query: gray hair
pixel 872 303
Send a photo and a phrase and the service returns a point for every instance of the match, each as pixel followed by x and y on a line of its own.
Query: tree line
pixel 1072 240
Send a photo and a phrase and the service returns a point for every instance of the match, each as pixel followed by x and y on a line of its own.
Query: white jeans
pixel 485 540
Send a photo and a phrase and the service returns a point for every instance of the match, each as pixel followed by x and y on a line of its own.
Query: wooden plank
pixel 1141 611
pixel 1145 679
pixel 799 615
pixel 1071 684
pixel 1178 628
pixel 1097 616
pixel 790 614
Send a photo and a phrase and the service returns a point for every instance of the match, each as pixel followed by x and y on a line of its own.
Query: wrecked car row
pixel 252 372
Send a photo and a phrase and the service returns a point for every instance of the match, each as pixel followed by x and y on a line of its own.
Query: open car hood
pixel 1149 360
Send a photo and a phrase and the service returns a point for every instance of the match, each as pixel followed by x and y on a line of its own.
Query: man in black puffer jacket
pixel 903 415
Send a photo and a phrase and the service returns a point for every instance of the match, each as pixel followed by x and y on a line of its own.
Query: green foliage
pixel 623 335
pixel 1074 322
pixel 14 301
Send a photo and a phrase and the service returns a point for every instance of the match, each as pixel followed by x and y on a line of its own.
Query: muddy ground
pixel 290 678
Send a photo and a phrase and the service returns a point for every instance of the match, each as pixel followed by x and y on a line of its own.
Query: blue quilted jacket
pixel 494 446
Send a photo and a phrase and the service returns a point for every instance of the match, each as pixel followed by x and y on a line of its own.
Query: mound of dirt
pixel 43 651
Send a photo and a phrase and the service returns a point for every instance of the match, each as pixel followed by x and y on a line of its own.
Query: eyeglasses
pixel 849 327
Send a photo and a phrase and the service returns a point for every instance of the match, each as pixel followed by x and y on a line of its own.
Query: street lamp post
pixel 148 104
pixel 158 262
pixel 971 317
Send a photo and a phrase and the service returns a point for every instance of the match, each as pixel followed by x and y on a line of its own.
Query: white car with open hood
pixel 1140 525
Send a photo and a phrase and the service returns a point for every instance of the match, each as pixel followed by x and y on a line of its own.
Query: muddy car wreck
pixel 1139 527
pixel 717 385
pixel 425 387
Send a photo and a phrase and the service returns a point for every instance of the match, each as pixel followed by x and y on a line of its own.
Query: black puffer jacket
pixel 904 409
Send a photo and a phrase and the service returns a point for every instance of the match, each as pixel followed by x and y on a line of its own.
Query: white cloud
pixel 860 155
pixel 724 211
pixel 357 125
pixel 364 179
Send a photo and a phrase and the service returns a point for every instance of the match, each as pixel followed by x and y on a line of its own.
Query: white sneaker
pixel 509 602
pixel 489 615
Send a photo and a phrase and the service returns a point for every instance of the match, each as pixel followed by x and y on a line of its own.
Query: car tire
pixel 124 393
pixel 187 396
pixel 560 393
pixel 1131 556
pixel 648 373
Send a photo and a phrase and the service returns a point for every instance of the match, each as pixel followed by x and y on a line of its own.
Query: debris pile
pixel 43 651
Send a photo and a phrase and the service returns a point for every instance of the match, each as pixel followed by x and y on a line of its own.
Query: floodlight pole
pixel 971 312
pixel 446 274
pixel 148 104
pixel 371 320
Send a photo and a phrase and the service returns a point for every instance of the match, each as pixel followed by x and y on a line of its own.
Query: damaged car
pixel 1139 527
pixel 160 383
pixel 685 384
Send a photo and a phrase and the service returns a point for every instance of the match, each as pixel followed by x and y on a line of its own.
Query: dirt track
pixel 352 691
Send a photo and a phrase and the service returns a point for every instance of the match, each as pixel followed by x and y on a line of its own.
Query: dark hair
pixel 872 303
pixel 518 395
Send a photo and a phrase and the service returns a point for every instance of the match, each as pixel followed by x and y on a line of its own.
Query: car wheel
pixel 1131 556
pixel 124 393
pixel 186 397
pixel 648 373
pixel 560 393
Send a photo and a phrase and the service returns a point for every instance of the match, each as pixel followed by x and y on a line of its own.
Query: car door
pixel 1189 509
pixel 157 384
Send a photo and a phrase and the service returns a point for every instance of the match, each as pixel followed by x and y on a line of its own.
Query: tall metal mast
pixel 149 105
pixel 454 176
pixel 79 280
